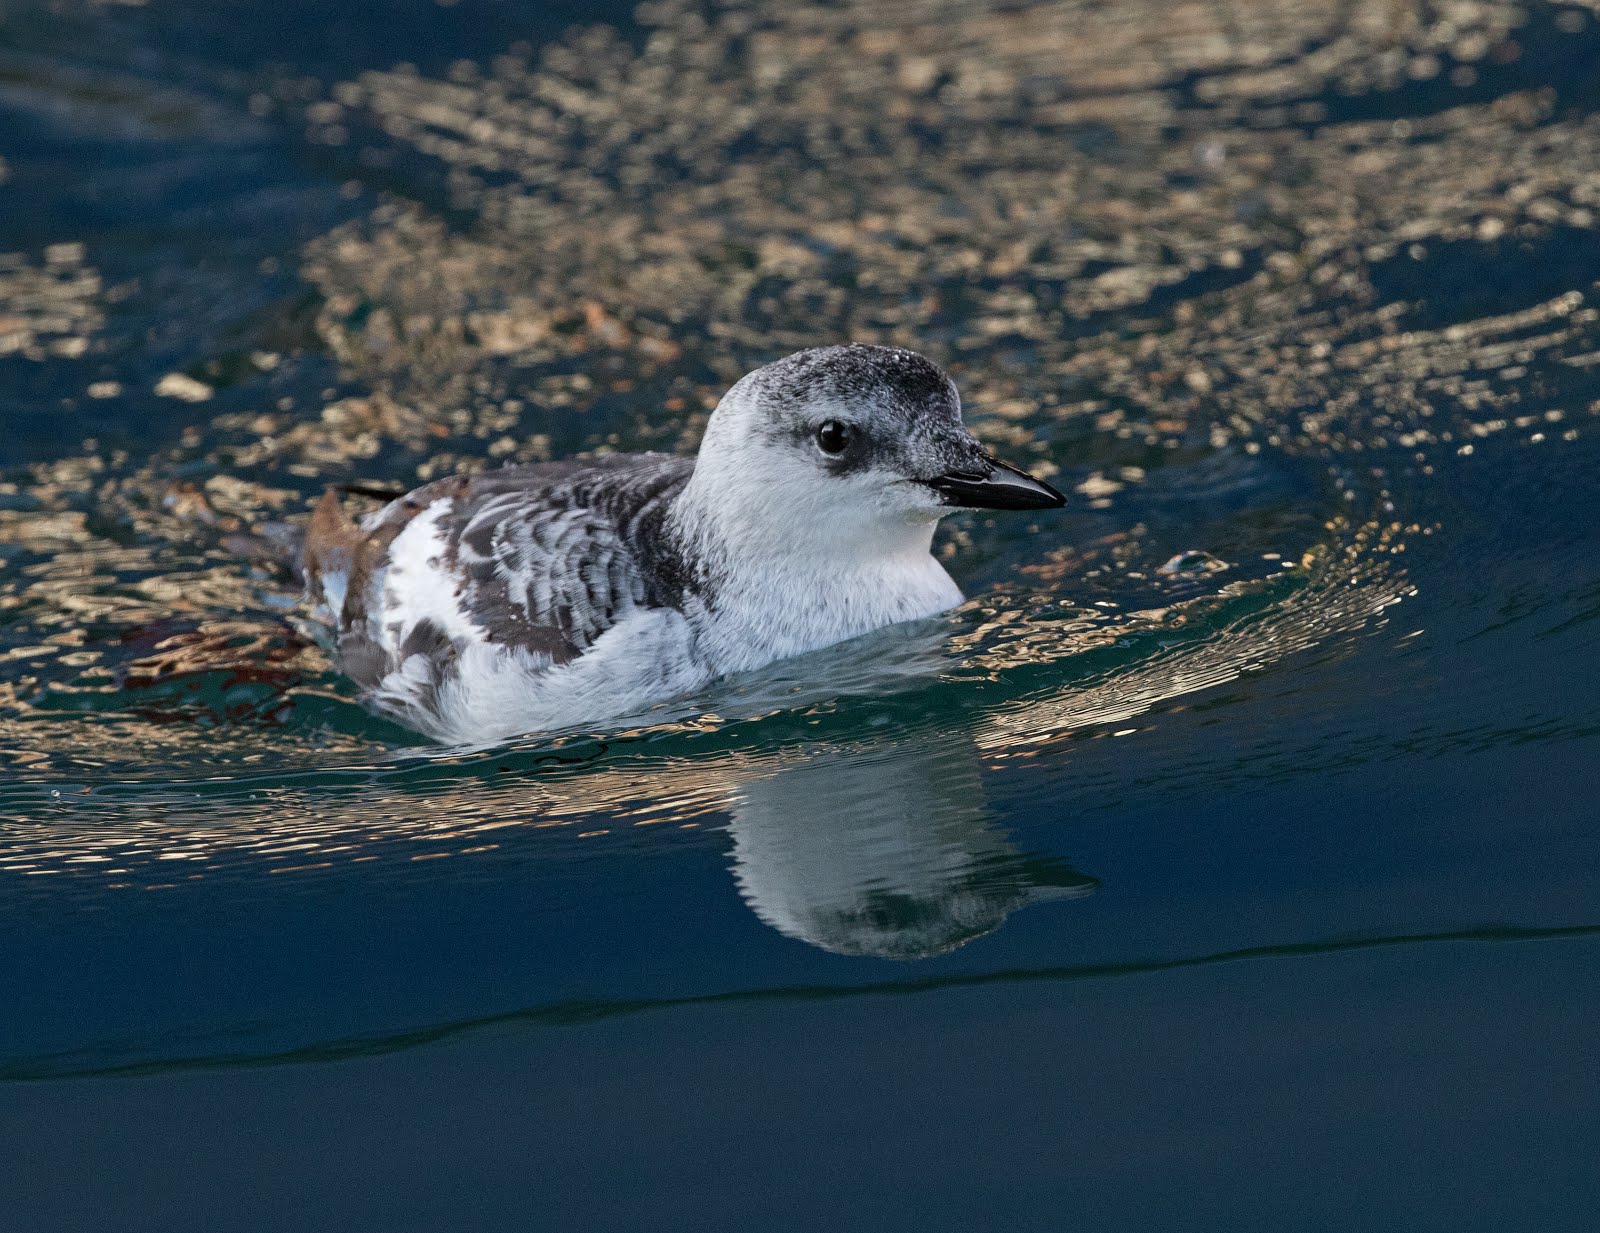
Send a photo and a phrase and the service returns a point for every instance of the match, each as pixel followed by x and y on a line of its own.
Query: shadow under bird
pixel 537 598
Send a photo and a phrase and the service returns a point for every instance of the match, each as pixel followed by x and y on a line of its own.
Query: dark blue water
pixel 1228 862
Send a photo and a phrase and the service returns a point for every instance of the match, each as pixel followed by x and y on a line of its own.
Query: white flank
pixel 415 586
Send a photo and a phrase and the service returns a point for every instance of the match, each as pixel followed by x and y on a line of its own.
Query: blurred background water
pixel 1229 861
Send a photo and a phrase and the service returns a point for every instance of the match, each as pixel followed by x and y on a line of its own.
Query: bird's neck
pixel 775 581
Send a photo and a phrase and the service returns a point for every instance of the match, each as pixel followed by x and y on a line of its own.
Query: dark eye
pixel 833 437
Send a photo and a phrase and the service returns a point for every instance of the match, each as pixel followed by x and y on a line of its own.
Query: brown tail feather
pixel 333 543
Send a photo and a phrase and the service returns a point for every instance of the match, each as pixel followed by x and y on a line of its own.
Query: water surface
pixel 1228 858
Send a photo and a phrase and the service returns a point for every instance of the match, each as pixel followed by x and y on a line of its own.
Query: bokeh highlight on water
pixel 1298 302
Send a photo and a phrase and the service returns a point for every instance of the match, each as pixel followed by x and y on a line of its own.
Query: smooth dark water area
pixel 1228 862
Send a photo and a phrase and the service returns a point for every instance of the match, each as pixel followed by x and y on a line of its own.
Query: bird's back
pixel 527 565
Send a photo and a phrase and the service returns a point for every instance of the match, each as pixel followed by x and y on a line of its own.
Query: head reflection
pixel 884 851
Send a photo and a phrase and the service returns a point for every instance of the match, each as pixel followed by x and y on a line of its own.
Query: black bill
pixel 1000 486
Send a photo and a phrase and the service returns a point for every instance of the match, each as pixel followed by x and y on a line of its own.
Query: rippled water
pixel 1284 732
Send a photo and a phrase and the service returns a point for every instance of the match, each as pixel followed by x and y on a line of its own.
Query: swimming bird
pixel 536 598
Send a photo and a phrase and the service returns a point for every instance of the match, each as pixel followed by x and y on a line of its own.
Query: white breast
pixel 802 605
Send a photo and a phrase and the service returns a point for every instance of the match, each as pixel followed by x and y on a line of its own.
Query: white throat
pixel 798 560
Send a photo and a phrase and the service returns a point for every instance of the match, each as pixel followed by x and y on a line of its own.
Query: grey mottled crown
pixel 895 379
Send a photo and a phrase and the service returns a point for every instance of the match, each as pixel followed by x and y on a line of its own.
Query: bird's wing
pixel 542 559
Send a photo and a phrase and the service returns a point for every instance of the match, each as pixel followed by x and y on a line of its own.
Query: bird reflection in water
pixel 886 851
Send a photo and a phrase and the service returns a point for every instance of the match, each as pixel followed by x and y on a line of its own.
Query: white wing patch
pixel 415 587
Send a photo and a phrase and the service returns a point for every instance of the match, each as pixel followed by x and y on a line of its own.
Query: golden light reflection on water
pixel 696 767
pixel 1141 235
pixel 49 309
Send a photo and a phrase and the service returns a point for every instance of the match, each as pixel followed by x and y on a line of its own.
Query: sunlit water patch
pixel 1253 305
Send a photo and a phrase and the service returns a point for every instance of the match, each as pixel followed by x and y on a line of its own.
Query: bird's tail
pixel 329 551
